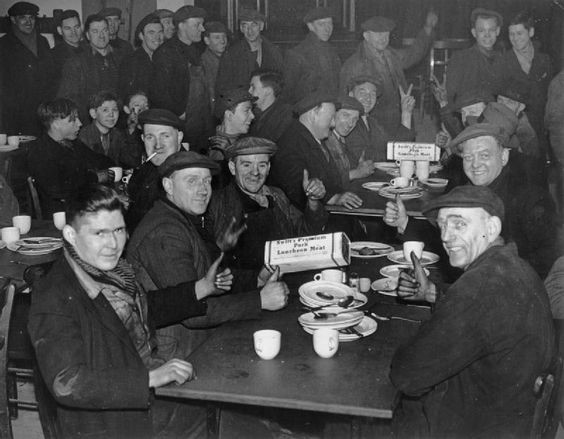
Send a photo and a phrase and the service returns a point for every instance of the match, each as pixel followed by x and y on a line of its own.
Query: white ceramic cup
pixel 10 234
pixel 267 343
pixel 364 284
pixel 400 182
pixel 118 173
pixel 422 169
pixel 59 219
pixel 186 146
pixel 325 342
pixel 412 246
pixel 13 140
pixel 407 168
pixel 3 139
pixel 23 223
pixel 331 275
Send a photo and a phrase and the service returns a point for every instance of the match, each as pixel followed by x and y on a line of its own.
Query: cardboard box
pixel 308 252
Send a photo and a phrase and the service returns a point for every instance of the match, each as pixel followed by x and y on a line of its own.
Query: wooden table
pixel 354 382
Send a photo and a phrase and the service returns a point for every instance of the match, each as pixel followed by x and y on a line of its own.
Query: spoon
pixel 343 303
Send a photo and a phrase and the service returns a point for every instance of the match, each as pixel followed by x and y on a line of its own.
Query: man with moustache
pixel 71 44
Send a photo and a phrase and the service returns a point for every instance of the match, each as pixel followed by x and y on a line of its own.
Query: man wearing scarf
pixel 92 327
pixel 27 68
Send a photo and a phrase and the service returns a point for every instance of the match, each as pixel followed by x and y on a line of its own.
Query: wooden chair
pixel 441 52
pixel 545 420
pixel 6 303
pixel 34 198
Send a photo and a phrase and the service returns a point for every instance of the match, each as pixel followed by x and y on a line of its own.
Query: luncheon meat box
pixel 308 252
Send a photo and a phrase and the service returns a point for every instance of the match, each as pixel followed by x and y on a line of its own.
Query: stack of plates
pixel 393 271
pixel 36 246
pixel 375 185
pixel 353 319
pixel 405 193
pixel 427 258
pixel 390 168
pixel 369 249
pixel 309 295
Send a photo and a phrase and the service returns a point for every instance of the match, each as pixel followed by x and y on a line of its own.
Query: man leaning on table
pixel 470 369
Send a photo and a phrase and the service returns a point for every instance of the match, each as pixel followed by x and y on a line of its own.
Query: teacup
pixel 22 222
pixel 422 169
pixel 412 246
pixel 10 234
pixel 118 173
pixel 400 182
pixel 331 275
pixel 14 140
pixel 326 342
pixel 3 139
pixel 267 343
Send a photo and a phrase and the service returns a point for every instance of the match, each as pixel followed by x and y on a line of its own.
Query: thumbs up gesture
pixel 407 101
pixel 415 285
pixel 395 214
pixel 274 294
pixel 313 188
pixel 213 282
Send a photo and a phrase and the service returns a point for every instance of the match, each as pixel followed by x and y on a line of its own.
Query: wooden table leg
pixel 213 417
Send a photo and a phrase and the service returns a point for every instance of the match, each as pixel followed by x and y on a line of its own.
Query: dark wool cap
pixel 251 15
pixel 164 13
pixel 318 14
pixel 23 8
pixel 499 115
pixel 313 100
pixel 348 103
pixel 230 99
pixel 186 12
pixel 378 24
pixel 186 159
pixel 110 12
pixel 159 116
pixel 215 27
pixel 251 145
pixel 466 196
pixel 68 13
pixel 481 12
pixel 479 130
pixel 361 79
pixel 147 19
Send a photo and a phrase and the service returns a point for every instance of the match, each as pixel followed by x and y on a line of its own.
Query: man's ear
pixel 473 32
pixel 261 25
pixel 60 31
pixel 13 20
pixel 126 109
pixel 497 31
pixel 493 228
pixel 504 156
pixel 531 32
pixel 69 234
pixel 231 165
pixel 167 185
pixel 92 113
pixel 310 26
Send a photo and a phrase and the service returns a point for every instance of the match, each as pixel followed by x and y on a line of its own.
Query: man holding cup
pixel 463 374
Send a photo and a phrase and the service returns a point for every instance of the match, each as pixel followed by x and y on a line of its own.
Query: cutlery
pixel 351 330
pixel 343 303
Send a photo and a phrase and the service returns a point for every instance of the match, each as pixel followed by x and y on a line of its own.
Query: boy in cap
pixel 250 53
pixel 375 58
pixel 215 39
pixel 463 374
pixel 314 63
pixel 113 17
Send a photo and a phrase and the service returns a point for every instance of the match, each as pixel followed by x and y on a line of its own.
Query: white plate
pixel 404 193
pixel 7 148
pixel 339 291
pixel 375 185
pixel 36 246
pixel 360 300
pixel 339 321
pixel 381 249
pixel 366 327
pixel 390 168
pixel 435 182
pixel 393 270
pixel 427 258
pixel 386 286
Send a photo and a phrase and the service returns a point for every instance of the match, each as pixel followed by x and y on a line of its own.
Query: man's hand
pixel 105 176
pixel 365 167
pixel 314 188
pixel 274 294
pixel 175 370
pixel 414 284
pixel 431 21
pixel 214 283
pixel 346 199
pixel 442 139
pixel 439 90
pixel 396 214
pixel 407 101
pixel 228 239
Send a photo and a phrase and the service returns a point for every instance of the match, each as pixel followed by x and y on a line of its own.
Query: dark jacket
pixel 61 53
pixel 238 62
pixel 272 122
pixel 312 66
pixel 27 81
pixel 135 73
pixel 210 62
pixel 108 394
pixel 122 46
pixel 144 188
pixel 471 368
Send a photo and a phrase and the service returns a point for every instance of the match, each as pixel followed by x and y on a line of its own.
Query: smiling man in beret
pixel 463 373
pixel 374 57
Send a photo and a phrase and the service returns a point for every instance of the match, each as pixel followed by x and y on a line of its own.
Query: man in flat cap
pixel 113 17
pixel 70 44
pixel 27 70
pixel 265 210
pixel 215 39
pixel 166 17
pixel 463 374
pixel 251 52
pixel 314 64
pixel 137 69
pixel 179 83
pixel 162 137
pixel 272 115
pixel 480 66
pixel 374 57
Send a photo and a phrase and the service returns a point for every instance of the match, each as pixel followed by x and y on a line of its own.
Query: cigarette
pixel 151 156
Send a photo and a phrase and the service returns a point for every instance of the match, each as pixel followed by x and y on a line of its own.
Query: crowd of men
pixel 235 143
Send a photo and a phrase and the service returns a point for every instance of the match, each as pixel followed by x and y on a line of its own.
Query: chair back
pixel 546 418
pixel 34 198
pixel 441 52
pixel 6 303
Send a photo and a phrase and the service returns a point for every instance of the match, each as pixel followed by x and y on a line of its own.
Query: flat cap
pixel 482 12
pixel 361 79
pixel 147 19
pixel 318 14
pixel 163 13
pixel 67 13
pixel 348 103
pixel 186 12
pixel 186 159
pixel 215 27
pixel 378 24
pixel 479 130
pixel 110 12
pixel 251 145
pixel 499 115
pixel 251 15
pixel 23 8
pixel 313 100
pixel 230 99
pixel 466 196
pixel 471 97
pixel 159 116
